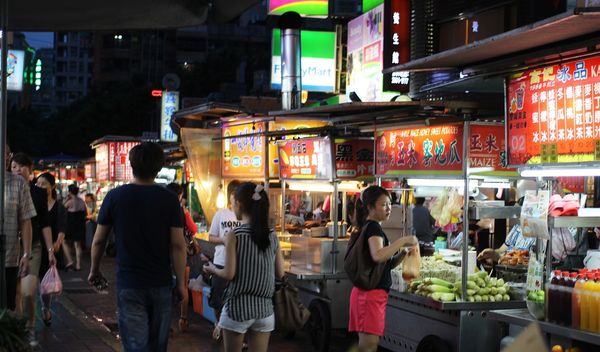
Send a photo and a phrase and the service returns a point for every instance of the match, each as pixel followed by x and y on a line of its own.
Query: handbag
pixel 290 313
pixel 362 271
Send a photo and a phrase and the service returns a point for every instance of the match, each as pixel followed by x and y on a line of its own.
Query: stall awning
pixel 570 24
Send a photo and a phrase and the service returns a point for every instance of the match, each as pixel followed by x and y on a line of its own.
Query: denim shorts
pixel 241 327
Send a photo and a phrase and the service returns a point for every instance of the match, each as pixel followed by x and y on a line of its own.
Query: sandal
pixel 47 316
pixel 183 324
pixel 68 267
pixel 216 335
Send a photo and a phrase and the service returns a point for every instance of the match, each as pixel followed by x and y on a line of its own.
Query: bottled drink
pixel 585 314
pixel 567 292
pixel 576 302
pixel 595 305
pixel 553 305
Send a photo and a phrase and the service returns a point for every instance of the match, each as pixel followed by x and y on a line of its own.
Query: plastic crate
pixel 207 312
pixel 197 301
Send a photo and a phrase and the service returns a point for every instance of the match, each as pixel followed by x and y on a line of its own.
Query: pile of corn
pixel 480 288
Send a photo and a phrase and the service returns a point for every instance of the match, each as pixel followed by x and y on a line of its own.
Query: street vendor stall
pixel 442 156
pixel 553 131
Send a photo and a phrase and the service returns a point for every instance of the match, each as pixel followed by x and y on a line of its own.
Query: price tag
pixel 553 153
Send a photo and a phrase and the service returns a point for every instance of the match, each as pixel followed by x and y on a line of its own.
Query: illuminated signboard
pixel 317 61
pixel 112 161
pixel 15 67
pixel 553 114
pixel 308 158
pixel 354 158
pixel 396 44
pixel 169 105
pixel 419 151
pixel 243 156
pixel 310 8
pixel 368 5
pixel 287 125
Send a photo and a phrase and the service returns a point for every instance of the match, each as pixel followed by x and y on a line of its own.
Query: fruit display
pixel 515 257
pixel 480 288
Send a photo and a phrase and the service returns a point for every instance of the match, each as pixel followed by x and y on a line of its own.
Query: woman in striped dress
pixel 253 262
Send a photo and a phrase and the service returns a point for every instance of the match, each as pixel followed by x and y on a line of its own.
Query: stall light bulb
pixel 221 200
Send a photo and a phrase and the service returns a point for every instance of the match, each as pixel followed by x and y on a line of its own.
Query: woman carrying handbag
pixel 253 262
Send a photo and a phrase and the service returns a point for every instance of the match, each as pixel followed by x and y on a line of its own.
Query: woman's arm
pixel 228 272
pixel 381 253
pixel 279 269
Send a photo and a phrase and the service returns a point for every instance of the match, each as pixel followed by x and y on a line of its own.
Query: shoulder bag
pixel 290 313
pixel 362 271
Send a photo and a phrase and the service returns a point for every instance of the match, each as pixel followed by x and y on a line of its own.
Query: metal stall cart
pixel 440 155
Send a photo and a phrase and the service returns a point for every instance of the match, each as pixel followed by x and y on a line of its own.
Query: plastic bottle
pixel 585 311
pixel 576 302
pixel 552 296
pixel 595 305
pixel 567 294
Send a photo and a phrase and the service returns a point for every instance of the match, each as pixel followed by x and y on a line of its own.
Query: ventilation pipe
pixel 291 70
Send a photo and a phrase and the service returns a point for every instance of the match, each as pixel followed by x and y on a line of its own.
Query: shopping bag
pixel 411 265
pixel 290 313
pixel 51 283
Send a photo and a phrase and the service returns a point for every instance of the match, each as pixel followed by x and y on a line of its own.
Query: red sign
pixel 112 162
pixel 420 151
pixel 396 46
pixel 244 156
pixel 554 114
pixel 156 93
pixel 487 149
pixel 308 158
pixel 354 158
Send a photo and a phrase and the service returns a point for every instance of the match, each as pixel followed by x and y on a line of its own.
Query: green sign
pixel 368 5
pixel 314 8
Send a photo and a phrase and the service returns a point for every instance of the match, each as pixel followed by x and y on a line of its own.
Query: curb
pixel 94 327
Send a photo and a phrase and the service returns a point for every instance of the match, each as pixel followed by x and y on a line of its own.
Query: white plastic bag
pixel 51 283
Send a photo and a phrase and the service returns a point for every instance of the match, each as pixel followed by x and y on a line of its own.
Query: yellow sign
pixel 243 151
pixel 287 126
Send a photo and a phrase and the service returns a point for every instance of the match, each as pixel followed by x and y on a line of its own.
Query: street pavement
pixel 85 320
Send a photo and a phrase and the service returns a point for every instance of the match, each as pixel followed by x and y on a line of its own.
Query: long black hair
pixel 254 202
pixel 367 199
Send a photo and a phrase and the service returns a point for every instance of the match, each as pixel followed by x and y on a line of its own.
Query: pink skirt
pixel 367 311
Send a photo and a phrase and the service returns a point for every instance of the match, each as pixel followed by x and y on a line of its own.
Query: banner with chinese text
pixel 487 149
pixel 243 156
pixel 554 114
pixel 354 158
pixel 287 125
pixel 308 158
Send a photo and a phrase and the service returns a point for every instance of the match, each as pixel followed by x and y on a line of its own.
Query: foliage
pixel 13 333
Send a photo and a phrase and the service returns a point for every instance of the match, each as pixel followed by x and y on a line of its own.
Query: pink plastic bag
pixel 51 283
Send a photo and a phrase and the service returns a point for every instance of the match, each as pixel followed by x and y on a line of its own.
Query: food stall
pixel 552 128
pixel 463 155
pixel 112 164
pixel 328 167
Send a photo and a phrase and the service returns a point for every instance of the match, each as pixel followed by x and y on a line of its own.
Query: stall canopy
pixel 73 15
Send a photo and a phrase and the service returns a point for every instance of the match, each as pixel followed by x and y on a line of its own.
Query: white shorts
pixel 241 327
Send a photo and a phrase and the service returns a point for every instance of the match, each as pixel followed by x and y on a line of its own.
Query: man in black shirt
pixel 22 165
pixel 423 222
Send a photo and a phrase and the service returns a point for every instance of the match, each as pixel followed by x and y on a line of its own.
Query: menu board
pixel 112 163
pixel 102 162
pixel 244 151
pixel 420 150
pixel 90 170
pixel 287 125
pixel 354 158
pixel 553 114
pixel 308 158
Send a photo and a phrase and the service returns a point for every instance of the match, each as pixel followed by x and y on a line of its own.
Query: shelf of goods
pixel 522 317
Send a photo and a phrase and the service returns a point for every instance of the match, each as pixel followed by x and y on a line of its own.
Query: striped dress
pixel 250 293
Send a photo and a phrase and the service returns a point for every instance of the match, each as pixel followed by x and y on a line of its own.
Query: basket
pixel 197 301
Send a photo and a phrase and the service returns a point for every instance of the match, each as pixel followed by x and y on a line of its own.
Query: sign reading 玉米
pixel 553 113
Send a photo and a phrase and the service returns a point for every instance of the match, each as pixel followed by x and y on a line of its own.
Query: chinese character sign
pixel 354 158
pixel 102 162
pixel 112 161
pixel 287 125
pixel 170 104
pixel 420 150
pixel 487 149
pixel 396 44
pixel 308 158
pixel 244 151
pixel 554 110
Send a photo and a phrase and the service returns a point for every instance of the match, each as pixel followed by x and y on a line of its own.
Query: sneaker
pixel 32 340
